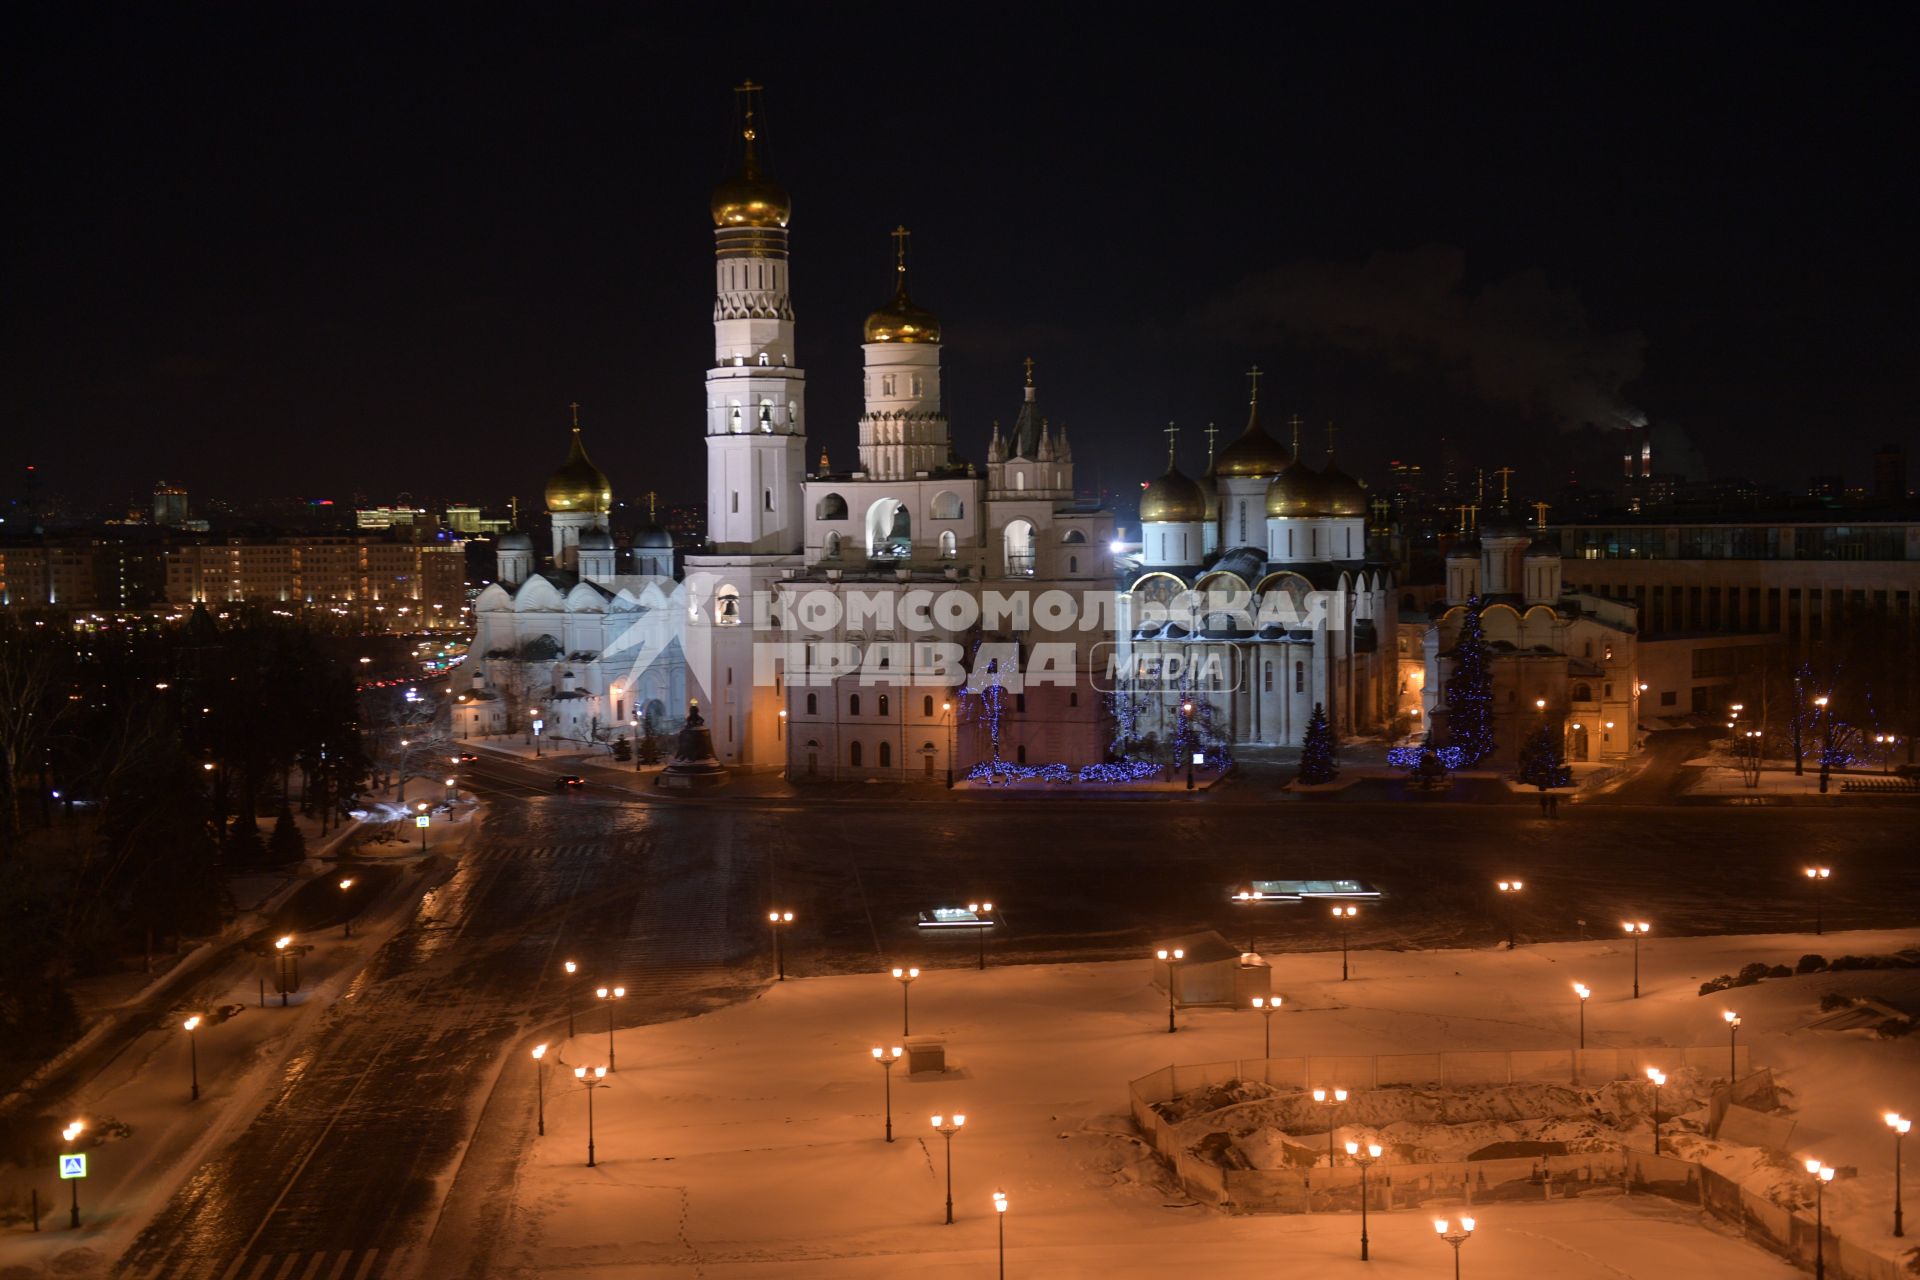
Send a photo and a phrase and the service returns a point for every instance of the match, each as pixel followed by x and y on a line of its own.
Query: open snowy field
pixel 749 1141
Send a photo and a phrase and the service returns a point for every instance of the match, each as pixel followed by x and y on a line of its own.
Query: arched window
pixel 886 755
pixel 853 755
pixel 1299 677
pixel 949 546
pixel 1073 537
pixel 926 706
pixel 883 712
pixel 1073 564
pixel 832 548
pixel 766 499
pixel 853 705
pixel 1020 755
pixel 831 507
pixel 1583 693
pixel 813 704
pixel 947 506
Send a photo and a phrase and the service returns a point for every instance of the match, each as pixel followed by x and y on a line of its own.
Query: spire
pixel 575 406
pixel 748 93
pixel 996 450
pixel 1024 440
pixel 653 499
pixel 900 234
pixel 825 466
pixel 1044 453
pixel 1062 450
pixel 1029 364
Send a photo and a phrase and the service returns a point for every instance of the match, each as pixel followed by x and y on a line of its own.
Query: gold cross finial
pixel 1253 385
pixel 1212 431
pixel 1540 510
pixel 746 91
pixel 1331 429
pixel 1294 422
pixel 1029 364
pixel 1173 437
pixel 1505 473
pixel 652 498
pixel 900 235
pixel 575 406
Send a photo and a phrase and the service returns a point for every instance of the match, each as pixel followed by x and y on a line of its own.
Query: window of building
pixel 1020 755
pixel 1019 702
pixel 1073 697
pixel 1299 677
pixel 1073 564
pixel 813 704
pixel 883 710
pixel 926 706
pixel 853 755
pixel 886 755
pixel 1266 674
pixel 853 705
pixel 1669 698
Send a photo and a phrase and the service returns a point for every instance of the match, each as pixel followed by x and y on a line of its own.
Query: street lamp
pixel 572 969
pixel 67 1135
pixel 947 1129
pixel 1365 1160
pixel 610 995
pixel 1636 929
pixel 540 1084
pixel 422 819
pixel 1510 887
pixel 595 1079
pixel 905 978
pixel 1818 876
pixel 1344 915
pixel 946 710
pixel 1267 1007
pixel 1445 1231
pixel 1826 741
pixel 1585 993
pixel 1170 958
pixel 1330 1099
pixel 1822 1175
pixel 1186 721
pixel 346 883
pixel 886 1059
pixel 192 1025
pixel 981 910
pixel 1733 1032
pixel 775 919
pixel 286 958
pixel 1657 1077
pixel 1899 1124
pixel 1000 1215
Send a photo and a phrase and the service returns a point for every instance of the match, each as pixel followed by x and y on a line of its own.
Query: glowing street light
pixel 1365 1159
pixel 346 883
pixel 595 1079
pixel 540 1084
pixel 610 995
pixel 1169 959
pixel 1585 993
pixel 190 1026
pixel 886 1058
pixel 1186 718
pixel 67 1135
pixel 1268 1007
pixel 1818 876
pixel 905 978
pixel 1899 1124
pixel 1733 1031
pixel 1330 1098
pixel 1000 1215
pixel 1636 929
pixel 1822 1175
pixel 946 1129
pixel 1656 1077
pixel 571 969
pixel 982 911
pixel 946 711
pixel 1507 888
pixel 775 919
pixel 1344 915
pixel 1445 1230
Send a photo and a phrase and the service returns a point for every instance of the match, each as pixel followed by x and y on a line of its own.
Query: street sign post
pixel 73 1166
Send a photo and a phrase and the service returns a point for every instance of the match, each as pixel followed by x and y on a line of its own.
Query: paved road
pixel 341 1174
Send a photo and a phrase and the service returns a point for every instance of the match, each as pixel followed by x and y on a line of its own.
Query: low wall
pixel 1497 1066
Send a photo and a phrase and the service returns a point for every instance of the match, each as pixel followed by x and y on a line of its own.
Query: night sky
pixel 349 251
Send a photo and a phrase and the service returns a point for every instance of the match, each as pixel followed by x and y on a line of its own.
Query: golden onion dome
pixel 900 320
pixel 1297 492
pixel 1345 497
pixel 1253 452
pixel 579 485
pixel 1172 499
pixel 750 201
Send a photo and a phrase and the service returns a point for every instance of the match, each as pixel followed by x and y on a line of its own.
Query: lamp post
pixel 775 919
pixel 1636 929
pixel 533 730
pixel 886 1058
pixel 610 995
pixel 1585 993
pixel 1000 1215
pixel 1267 1007
pixel 946 710
pixel 67 1135
pixel 1344 915
pixel 193 1053
pixel 905 978
pixel 346 883
pixel 540 1084
pixel 1330 1098
pixel 1818 876
pixel 1822 1175
pixel 287 963
pixel 1733 1054
pixel 1799 759
pixel 633 722
pixel 1899 1124
pixel 1445 1231
pixel 422 819
pixel 1186 722
pixel 1365 1160
pixel 592 1080
pixel 571 969
pixel 946 1129
pixel 1656 1077
pixel 1170 958
pixel 1752 752
pixel 981 911
pixel 1507 889
pixel 1826 741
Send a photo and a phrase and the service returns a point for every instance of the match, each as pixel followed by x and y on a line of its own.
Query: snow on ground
pixel 748 1141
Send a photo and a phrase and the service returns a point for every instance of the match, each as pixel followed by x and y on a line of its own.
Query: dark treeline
pixel 140 764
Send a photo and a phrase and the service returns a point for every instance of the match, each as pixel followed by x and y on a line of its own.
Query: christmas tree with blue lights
pixel 1319 750
pixel 1469 692
pixel 1541 763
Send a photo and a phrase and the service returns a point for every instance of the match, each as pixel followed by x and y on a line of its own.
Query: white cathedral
pixel 807 626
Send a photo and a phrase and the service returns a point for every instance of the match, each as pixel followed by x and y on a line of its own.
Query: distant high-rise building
pixel 169 505
pixel 1890 474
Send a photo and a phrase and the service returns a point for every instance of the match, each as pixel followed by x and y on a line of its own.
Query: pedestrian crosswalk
pixel 534 852
pixel 334 1264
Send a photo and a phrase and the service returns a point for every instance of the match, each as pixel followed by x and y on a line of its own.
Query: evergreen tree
pixel 244 848
pixel 622 749
pixel 650 749
pixel 1469 691
pixel 286 844
pixel 1541 762
pixel 1319 752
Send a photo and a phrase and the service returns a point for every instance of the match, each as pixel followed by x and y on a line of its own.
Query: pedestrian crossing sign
pixel 73 1166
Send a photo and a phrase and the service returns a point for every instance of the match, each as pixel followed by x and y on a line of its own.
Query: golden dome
pixel 1345 497
pixel 1172 499
pixel 1253 453
pixel 579 485
pixel 900 320
pixel 1296 492
pixel 750 201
